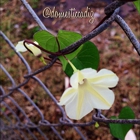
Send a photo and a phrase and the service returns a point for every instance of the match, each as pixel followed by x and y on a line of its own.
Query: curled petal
pixel 20 47
pixel 35 50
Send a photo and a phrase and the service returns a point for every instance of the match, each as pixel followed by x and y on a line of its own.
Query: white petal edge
pixel 20 47
pixel 72 107
pixel 67 96
pixel 36 51
pixel 101 98
pixel 89 73
pixel 74 79
pixel 105 78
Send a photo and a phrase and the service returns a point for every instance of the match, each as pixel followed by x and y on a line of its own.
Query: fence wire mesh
pixel 16 124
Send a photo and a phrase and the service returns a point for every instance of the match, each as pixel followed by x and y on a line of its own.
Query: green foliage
pixel 66 38
pixel 85 56
pixel 120 130
pixel 3 1
pixel 46 40
pixel 137 5
pixel 35 29
pixel 88 57
pixel 34 3
pixel 54 43
pixel 69 57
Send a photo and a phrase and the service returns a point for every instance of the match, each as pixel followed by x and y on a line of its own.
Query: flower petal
pixel 89 72
pixel 20 47
pixel 89 90
pixel 100 97
pixel 105 78
pixel 76 78
pixel 36 51
pixel 79 106
pixel 67 96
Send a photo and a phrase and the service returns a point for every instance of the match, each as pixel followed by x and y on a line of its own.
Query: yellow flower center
pixel 82 81
pixel 80 78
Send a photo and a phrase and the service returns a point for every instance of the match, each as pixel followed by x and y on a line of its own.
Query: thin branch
pixel 42 69
pixel 121 121
pixel 109 9
pixel 38 46
pixel 59 64
pixel 92 34
pixel 129 33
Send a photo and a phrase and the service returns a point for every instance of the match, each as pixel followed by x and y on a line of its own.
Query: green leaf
pixel 85 56
pixel 125 112
pixel 69 57
pixel 52 43
pixel 88 57
pixel 137 5
pixel 120 130
pixel 46 40
pixel 35 29
pixel 67 38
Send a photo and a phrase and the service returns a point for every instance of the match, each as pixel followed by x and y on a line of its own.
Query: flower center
pixel 82 81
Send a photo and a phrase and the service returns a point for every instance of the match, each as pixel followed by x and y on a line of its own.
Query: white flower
pixel 89 90
pixel 21 48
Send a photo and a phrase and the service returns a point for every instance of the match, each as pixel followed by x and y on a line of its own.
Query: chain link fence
pixel 16 124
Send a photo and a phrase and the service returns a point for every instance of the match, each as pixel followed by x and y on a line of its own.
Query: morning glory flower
pixel 21 48
pixel 89 89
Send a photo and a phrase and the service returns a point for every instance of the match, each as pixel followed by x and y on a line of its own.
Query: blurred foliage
pixel 137 4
